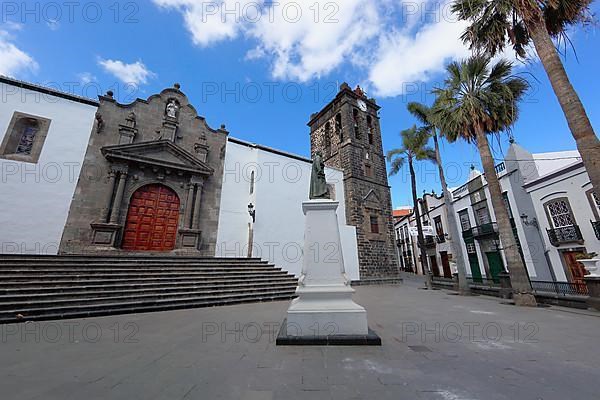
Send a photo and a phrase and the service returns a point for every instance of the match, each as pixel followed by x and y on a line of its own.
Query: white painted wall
pixel 572 184
pixel 281 185
pixel 35 198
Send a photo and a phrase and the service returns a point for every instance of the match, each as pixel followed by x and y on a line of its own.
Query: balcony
pixel 485 231
pixel 440 238
pixel 596 226
pixel 565 234
pixel 429 242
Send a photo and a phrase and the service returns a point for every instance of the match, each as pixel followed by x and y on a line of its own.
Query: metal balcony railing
pixel 429 242
pixel 485 230
pixel 565 234
pixel 560 288
pixel 596 226
pixel 440 238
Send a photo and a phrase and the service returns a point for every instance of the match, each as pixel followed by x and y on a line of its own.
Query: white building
pixel 536 189
pixel 567 211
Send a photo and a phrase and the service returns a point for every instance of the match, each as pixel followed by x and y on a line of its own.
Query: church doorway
pixel 152 219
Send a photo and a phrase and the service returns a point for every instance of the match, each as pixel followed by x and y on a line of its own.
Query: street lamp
pixel 527 222
pixel 252 212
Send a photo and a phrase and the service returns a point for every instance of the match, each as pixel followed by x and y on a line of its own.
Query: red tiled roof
pixel 401 213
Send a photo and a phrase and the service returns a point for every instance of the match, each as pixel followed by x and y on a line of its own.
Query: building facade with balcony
pixel 525 178
pixel 568 214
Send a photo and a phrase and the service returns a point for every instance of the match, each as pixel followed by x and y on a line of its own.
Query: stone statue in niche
pixel 318 184
pixel 131 120
pixel 99 123
pixel 172 109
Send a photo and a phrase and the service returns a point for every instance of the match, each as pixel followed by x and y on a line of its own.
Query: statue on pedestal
pixel 318 184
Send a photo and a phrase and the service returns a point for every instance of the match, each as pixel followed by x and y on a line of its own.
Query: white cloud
pixel 388 42
pixel 12 59
pixel 403 58
pixel 213 21
pixel 135 73
pixel 86 77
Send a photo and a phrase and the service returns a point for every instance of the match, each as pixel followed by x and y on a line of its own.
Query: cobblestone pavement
pixel 436 345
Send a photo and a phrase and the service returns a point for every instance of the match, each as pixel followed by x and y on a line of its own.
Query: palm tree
pixel 496 23
pixel 414 148
pixel 478 99
pixel 423 114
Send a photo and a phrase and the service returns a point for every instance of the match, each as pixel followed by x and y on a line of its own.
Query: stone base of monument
pixel 324 312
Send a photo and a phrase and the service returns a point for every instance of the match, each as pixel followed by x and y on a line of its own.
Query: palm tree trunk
pixel 463 286
pixel 420 237
pixel 523 293
pixel 588 144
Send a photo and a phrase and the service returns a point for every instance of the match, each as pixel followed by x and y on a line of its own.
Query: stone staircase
pixel 34 288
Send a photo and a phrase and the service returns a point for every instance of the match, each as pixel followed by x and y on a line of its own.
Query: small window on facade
pixel 374 224
pixel 25 137
pixel 327 138
pixel 338 126
pixel 356 123
pixel 471 248
pixel 252 182
pixel 465 223
pixel 559 212
pixel 439 229
pixel 368 171
pixel 483 216
pixel 594 201
pixel 507 204
pixel 370 128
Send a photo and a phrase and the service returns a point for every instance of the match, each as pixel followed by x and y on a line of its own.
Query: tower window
pixel 338 126
pixel 370 128
pixel 327 138
pixel 24 138
pixel 252 182
pixel 355 118
pixel 374 224
pixel 368 171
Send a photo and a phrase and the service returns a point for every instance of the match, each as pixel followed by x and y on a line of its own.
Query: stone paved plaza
pixel 473 348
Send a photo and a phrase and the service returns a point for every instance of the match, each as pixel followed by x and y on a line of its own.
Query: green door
pixel 475 271
pixel 495 263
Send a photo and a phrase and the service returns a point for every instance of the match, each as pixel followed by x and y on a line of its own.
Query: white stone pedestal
pixel 324 307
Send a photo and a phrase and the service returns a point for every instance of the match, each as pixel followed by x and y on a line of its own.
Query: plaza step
pixel 34 288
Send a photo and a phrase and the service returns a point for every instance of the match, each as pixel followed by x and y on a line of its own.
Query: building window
pixel 439 228
pixel 368 171
pixel 374 224
pixel 327 138
pixel 252 182
pixel 482 216
pixel 370 128
pixel 465 223
pixel 338 126
pixel 560 214
pixel 471 248
pixel 25 137
pixel 594 200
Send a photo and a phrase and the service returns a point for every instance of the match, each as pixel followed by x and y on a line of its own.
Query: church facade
pixel 153 177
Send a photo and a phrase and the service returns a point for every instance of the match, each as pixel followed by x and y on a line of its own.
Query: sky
pixel 262 67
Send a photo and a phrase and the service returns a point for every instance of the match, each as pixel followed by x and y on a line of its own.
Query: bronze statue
pixel 318 185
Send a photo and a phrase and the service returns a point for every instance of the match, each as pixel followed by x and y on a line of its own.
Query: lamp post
pixel 252 212
pixel 534 222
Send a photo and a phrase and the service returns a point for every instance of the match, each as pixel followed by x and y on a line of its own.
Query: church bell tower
pixel 347 133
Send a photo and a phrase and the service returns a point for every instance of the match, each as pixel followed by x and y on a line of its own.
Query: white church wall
pixel 281 185
pixel 35 197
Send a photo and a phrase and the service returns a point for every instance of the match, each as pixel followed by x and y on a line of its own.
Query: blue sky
pixel 263 75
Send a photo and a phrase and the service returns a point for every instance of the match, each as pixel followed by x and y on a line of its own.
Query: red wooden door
pixel 446 264
pixel 576 269
pixel 152 219
pixel 434 266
